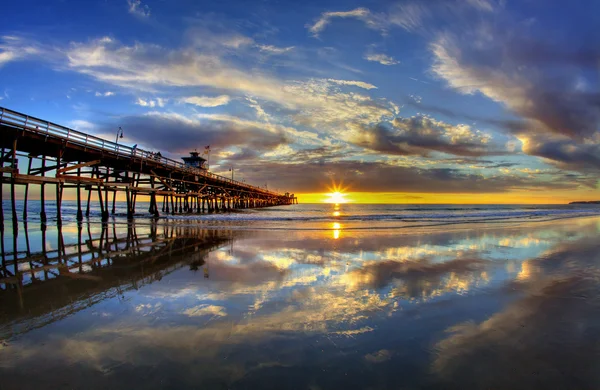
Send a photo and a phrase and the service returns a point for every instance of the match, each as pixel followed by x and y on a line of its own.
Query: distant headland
pixel 587 202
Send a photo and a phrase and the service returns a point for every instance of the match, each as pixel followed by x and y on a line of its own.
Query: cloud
pixel 138 9
pixel 332 107
pixel 420 135
pixel 147 66
pixel 359 84
pixel 177 133
pixel 409 15
pixel 105 94
pixel 563 152
pixel 484 5
pixel 383 59
pixel 207 101
pixel 362 176
pixel 13 48
pixel 270 49
pixel 260 112
pixel 158 102
pixel 359 13
pixel 235 41
pixel 322 104
pixel 536 81
pixel 83 125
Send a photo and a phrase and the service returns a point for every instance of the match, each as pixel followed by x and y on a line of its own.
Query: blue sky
pixel 488 98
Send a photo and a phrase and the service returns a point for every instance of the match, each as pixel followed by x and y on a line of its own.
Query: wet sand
pixel 171 305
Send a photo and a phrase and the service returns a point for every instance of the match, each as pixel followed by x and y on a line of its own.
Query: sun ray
pixel 336 194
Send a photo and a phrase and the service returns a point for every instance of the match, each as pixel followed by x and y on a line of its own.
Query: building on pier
pixel 195 161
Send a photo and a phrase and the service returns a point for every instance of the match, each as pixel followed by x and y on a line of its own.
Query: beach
pixel 190 303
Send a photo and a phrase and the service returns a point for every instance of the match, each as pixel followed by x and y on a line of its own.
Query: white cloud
pixel 323 105
pixel 144 67
pixel 105 94
pixel 332 110
pixel 82 125
pixel 150 102
pixel 144 103
pixel 383 59
pixel 207 101
pixel 7 56
pixel 407 16
pixel 484 5
pixel 359 13
pixel 260 112
pixel 16 48
pixel 203 310
pixel 138 9
pixel 270 49
pixel 236 41
pixel 359 84
pixel 410 16
pixel 218 41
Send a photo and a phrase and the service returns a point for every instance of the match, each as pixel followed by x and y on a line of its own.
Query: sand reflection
pixel 173 300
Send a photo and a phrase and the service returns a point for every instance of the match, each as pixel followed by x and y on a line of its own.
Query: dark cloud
pixel 543 79
pixel 319 155
pixel 513 126
pixel 178 134
pixel 381 177
pixel 421 135
pixel 565 153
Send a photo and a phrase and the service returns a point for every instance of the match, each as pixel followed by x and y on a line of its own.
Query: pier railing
pixel 36 125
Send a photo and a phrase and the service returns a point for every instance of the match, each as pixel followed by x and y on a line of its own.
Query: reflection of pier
pixel 40 287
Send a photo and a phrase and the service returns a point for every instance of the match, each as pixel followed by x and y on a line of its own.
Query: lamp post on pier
pixel 231 169
pixel 119 134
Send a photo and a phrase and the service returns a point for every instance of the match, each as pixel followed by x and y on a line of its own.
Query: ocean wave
pixel 400 217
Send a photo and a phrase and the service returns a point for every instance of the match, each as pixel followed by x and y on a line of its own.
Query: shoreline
pixel 201 224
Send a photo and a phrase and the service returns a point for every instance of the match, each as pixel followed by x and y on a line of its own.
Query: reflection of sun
pixel 336 230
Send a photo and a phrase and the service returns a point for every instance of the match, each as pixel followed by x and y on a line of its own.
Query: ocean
pixel 329 216
pixel 307 296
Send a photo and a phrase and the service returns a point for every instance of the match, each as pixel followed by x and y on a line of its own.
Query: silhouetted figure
pixel 195 265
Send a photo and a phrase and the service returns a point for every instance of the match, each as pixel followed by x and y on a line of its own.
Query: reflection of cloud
pixel 353 332
pixel 545 340
pixel 148 308
pixel 526 270
pixel 522 242
pixel 380 273
pixel 203 310
pixel 379 356
pixel 506 350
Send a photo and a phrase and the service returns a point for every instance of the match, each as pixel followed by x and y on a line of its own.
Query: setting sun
pixel 336 197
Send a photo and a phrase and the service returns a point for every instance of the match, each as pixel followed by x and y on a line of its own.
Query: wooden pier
pixel 37 152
